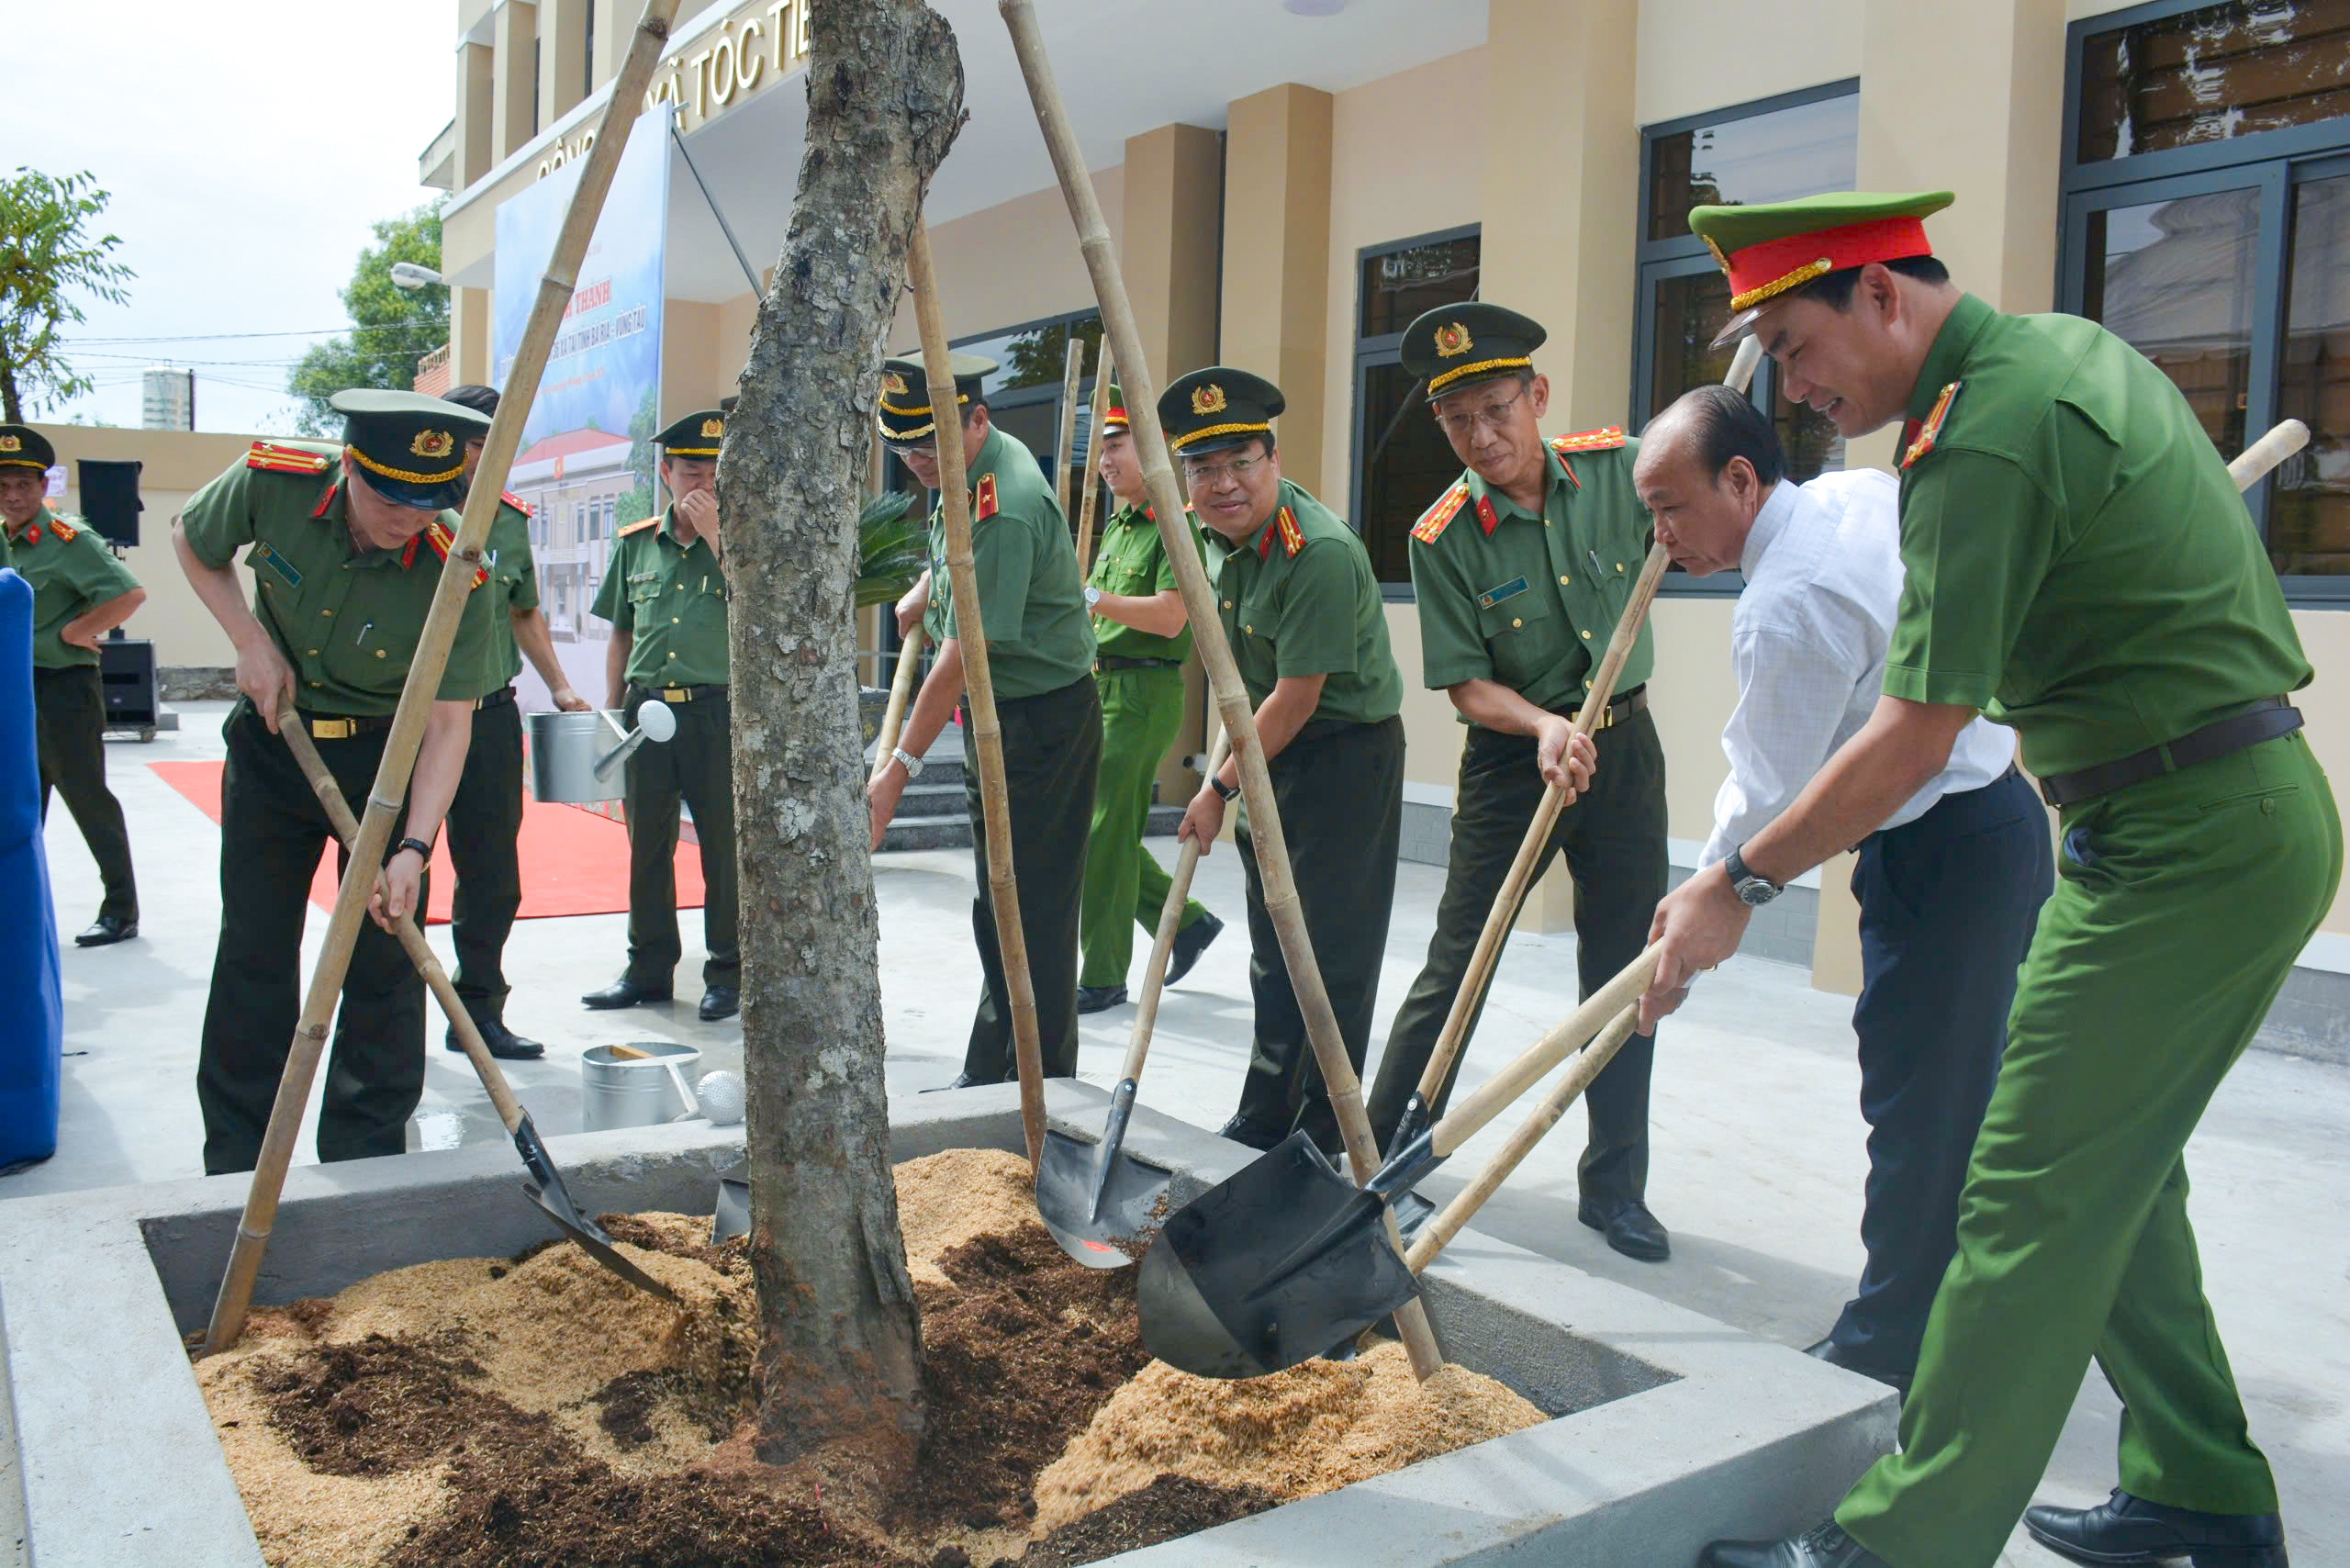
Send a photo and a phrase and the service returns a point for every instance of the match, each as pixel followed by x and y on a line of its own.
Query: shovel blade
pixel 590 1235
pixel 733 1214
pixel 1282 1262
pixel 1100 1202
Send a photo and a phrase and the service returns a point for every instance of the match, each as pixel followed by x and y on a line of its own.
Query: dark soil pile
pixel 1168 1509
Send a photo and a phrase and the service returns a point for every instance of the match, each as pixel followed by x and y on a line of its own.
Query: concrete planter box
pixel 1673 1428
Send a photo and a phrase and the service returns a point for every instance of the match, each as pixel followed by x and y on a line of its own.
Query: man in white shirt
pixel 1949 886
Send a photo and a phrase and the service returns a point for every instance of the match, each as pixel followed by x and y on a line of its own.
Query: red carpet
pixel 575 860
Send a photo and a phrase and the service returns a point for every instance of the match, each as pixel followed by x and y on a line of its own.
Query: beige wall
pixel 1696 56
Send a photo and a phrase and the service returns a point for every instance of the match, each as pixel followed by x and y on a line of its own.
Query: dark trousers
pixel 1612 838
pixel 1948 903
pixel 1052 758
pixel 1340 790
pixel 72 708
pixel 484 817
pixel 272 829
pixel 695 765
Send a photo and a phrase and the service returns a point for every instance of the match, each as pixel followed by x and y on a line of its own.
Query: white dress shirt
pixel 1807 643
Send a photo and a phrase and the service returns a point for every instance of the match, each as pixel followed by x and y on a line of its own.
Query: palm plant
pixel 893 542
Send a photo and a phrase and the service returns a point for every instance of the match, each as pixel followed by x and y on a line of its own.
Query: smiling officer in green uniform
pixel 2080 565
pixel 1303 612
pixel 1143 637
pixel 664 593
pixel 1520 571
pixel 80 593
pixel 346 547
pixel 1040 662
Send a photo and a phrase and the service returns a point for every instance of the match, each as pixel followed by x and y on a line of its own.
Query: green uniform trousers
pixel 72 711
pixel 696 766
pixel 2181 905
pixel 485 815
pixel 1341 789
pixel 1124 884
pixel 1614 841
pixel 1052 751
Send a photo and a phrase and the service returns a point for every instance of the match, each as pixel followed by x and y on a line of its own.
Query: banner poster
pixel 586 465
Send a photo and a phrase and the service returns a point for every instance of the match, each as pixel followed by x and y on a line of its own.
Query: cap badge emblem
pixel 893 383
pixel 713 429
pixel 1451 340
pixel 432 443
pixel 1208 399
pixel 11 444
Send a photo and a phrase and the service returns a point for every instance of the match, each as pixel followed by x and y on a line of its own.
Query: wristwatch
pixel 423 850
pixel 909 761
pixel 1229 792
pixel 1092 596
pixel 1752 891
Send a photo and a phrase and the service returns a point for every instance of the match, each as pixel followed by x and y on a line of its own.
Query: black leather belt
pixel 343 726
pixel 497 698
pixel 1110 662
pixel 1619 708
pixel 682 693
pixel 2267 719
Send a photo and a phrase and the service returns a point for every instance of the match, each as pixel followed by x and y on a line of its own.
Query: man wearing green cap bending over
pixel 1140 628
pixel 336 538
pixel 2079 565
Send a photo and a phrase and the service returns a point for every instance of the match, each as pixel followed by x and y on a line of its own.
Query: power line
pixel 225 337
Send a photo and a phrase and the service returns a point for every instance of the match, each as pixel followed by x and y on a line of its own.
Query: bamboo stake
pixel 1471 993
pixel 1141 389
pixel 902 686
pixel 1064 449
pixel 979 689
pixel 1093 462
pixel 431 658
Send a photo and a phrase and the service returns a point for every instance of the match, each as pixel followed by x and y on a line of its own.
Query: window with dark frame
pixel 1402 462
pixel 2206 223
pixel 1773 150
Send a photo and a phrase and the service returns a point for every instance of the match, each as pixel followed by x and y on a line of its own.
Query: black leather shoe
pixel 503 1043
pixel 2128 1530
pixel 106 931
pixel 719 1002
pixel 1826 1547
pixel 1189 943
pixel 1255 1134
pixel 624 992
pixel 1100 997
pixel 961 1080
pixel 1836 1355
pixel 1629 1228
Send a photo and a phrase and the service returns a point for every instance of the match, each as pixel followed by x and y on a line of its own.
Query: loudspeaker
pixel 109 493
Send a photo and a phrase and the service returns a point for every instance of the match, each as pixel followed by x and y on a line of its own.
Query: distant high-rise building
pixel 169 403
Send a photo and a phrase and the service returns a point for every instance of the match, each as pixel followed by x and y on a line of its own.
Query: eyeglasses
pixel 1493 416
pixel 1214 476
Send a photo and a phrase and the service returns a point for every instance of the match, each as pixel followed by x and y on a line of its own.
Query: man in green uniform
pixel 1040 662
pixel 487 813
pixel 80 593
pixel 2078 564
pixel 664 593
pixel 346 548
pixel 1521 570
pixel 1302 610
pixel 1141 629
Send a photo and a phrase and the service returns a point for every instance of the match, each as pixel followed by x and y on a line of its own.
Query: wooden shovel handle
pixel 2252 464
pixel 1162 944
pixel 1535 1062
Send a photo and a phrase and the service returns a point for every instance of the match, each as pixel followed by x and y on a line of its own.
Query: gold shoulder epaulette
pixel 62 529
pixel 640 527
pixel 1932 426
pixel 1606 438
pixel 270 457
pixel 983 501
pixel 1292 536
pixel 1433 522
pixel 517 502
pixel 437 534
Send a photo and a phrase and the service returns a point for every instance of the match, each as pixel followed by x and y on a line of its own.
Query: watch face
pixel 1754 892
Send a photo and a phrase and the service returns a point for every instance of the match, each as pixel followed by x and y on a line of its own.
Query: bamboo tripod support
pixel 1086 507
pixel 1141 389
pixel 1065 448
pixel 431 658
pixel 901 687
pixel 979 689
pixel 1470 994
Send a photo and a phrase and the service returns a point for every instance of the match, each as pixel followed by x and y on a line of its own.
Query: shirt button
pixel 1250 630
pixel 1586 636
pixel 673 621
pixel 673 654
pixel 1515 624
pixel 309 652
pixel 1228 604
pixel 1619 566
pixel 327 613
pixel 1562 580
pixel 379 652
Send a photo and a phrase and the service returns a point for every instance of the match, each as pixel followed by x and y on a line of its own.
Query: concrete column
pixel 476 110
pixel 514 44
pixel 1167 251
pixel 469 337
pixel 563 57
pixel 1277 263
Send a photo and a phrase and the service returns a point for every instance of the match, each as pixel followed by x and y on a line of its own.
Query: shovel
pixel 1100 1202
pixel 1287 1259
pixel 546 1187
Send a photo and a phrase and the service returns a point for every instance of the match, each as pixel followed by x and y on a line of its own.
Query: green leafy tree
pixel 642 457
pixel 47 256
pixel 892 546
pixel 392 327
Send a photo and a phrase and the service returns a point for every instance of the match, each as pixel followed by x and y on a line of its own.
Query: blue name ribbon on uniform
pixel 276 563
pixel 1493 595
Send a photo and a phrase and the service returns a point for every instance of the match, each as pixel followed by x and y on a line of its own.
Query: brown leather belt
pixel 1619 708
pixel 2265 721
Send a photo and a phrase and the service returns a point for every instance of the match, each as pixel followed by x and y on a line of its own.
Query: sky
pixel 248 146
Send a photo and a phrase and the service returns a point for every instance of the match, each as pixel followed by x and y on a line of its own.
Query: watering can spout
pixel 655 720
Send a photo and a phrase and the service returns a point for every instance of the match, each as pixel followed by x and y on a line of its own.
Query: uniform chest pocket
pixel 644 588
pixel 1522 632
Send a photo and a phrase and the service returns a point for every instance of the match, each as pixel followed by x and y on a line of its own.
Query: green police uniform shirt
pixel 2079 564
pixel 512 588
pixel 671 600
pixel 1134 563
pixel 1300 598
pixel 1031 602
pixel 1532 602
pixel 346 619
pixel 71 571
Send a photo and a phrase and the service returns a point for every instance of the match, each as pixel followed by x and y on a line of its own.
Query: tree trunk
pixel 842 1364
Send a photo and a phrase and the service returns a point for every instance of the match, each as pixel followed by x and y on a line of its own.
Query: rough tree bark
pixel 842 1364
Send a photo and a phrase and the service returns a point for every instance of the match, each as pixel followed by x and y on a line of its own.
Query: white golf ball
pixel 721 1094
